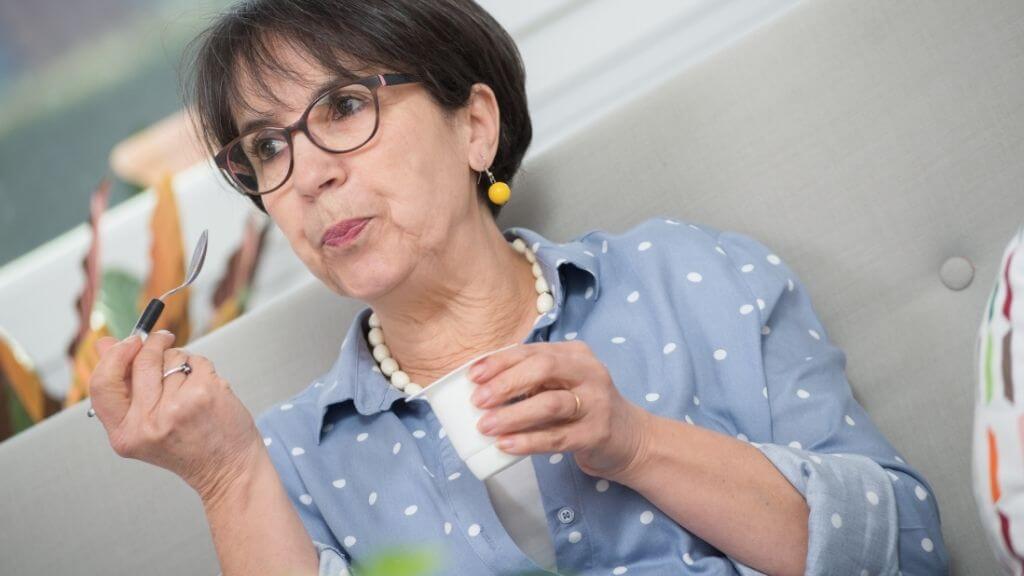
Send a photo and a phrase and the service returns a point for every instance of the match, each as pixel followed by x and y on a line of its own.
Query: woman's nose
pixel 314 170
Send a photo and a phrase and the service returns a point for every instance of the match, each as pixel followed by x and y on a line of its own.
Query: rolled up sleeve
pixel 870 512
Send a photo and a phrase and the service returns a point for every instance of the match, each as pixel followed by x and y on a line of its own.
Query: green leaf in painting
pixel 119 292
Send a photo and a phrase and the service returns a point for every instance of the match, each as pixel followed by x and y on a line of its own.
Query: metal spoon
pixel 156 306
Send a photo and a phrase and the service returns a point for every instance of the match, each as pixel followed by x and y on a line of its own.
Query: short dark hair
pixel 448 44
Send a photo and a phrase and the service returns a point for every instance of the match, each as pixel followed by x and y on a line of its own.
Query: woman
pixel 684 410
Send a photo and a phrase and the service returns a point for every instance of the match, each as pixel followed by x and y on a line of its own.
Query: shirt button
pixel 566 515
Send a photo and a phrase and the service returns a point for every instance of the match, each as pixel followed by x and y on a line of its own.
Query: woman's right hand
pixel 192 425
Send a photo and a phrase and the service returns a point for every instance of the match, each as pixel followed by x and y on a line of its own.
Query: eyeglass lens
pixel 339 121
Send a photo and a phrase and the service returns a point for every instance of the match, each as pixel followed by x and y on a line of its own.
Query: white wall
pixel 583 59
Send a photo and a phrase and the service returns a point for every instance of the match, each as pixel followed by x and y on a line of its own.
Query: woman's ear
pixel 484 126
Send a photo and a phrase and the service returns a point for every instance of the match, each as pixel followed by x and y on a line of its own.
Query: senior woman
pixel 682 406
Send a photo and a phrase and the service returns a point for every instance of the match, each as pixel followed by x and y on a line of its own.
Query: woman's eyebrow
pixel 264 119
pixel 257 123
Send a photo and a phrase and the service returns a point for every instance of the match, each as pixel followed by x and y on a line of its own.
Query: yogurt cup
pixel 449 397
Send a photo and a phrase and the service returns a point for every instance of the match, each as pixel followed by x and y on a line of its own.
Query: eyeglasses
pixel 341 119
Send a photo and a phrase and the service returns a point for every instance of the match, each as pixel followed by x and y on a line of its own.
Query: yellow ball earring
pixel 499 192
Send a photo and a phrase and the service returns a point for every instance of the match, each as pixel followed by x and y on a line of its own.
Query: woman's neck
pixel 481 296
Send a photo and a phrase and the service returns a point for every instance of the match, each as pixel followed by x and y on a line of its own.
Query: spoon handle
pixel 148 319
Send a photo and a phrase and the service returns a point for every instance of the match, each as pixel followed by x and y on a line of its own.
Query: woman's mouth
pixel 344 232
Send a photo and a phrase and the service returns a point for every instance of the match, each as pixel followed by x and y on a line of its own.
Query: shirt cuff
pixel 853 521
pixel 332 562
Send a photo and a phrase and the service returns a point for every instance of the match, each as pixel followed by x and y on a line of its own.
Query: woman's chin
pixel 360 283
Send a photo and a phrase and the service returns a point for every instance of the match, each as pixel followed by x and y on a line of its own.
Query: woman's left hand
pixel 608 435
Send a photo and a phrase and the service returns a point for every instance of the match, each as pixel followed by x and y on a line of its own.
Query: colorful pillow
pixel 999 412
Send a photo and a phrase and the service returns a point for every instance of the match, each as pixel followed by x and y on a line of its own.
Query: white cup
pixel 449 397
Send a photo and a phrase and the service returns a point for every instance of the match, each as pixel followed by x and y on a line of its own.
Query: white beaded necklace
pixel 388 365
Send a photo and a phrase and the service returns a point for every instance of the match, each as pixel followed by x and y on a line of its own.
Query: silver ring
pixel 183 367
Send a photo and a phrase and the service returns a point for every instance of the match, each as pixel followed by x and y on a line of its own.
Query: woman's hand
pixel 192 425
pixel 608 435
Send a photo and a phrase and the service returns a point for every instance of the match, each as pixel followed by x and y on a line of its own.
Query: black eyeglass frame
pixel 301 125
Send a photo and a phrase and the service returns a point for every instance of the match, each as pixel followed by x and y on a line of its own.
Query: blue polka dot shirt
pixel 706 327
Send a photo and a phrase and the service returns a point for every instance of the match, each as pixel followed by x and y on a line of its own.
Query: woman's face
pixel 413 180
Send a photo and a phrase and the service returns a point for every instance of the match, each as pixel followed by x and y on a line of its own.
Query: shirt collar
pixel 354 374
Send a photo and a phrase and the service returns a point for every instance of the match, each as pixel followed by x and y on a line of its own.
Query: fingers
pixel 103 344
pixel 545 367
pixel 570 438
pixel 147 371
pixel 110 384
pixel 546 409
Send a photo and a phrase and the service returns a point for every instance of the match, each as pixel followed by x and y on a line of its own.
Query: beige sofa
pixel 868 142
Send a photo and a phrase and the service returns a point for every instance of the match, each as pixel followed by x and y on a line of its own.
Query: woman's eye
pixel 346 105
pixel 267 148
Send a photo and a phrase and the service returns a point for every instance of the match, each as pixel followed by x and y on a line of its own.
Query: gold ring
pixel 578 405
